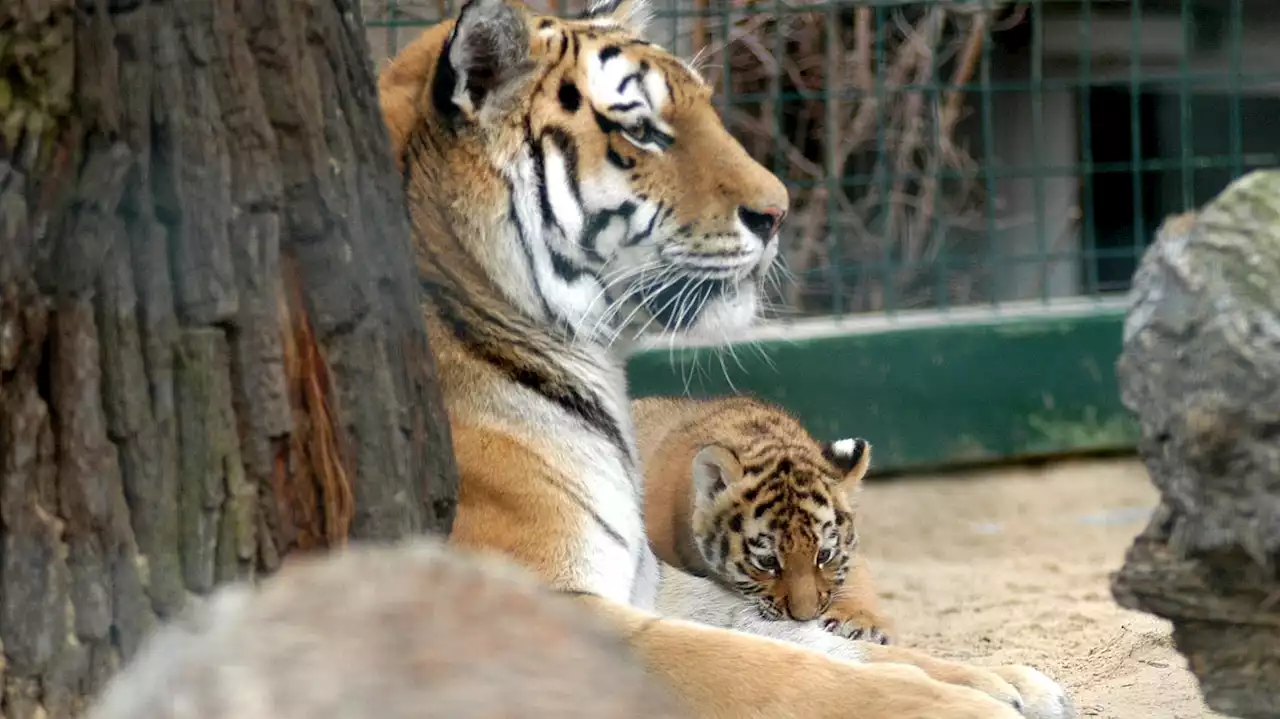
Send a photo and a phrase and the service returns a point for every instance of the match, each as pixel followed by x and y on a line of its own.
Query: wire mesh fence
pixel 946 153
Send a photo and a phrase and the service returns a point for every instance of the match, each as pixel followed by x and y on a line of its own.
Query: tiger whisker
pixel 611 310
pixel 622 326
pixel 653 316
pixel 688 294
pixel 764 355
pixel 634 291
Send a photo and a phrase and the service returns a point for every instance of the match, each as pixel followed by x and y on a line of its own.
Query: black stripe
pixel 644 91
pixel 617 160
pixel 446 79
pixel 565 268
pixel 540 172
pixel 527 250
pixel 622 86
pixel 564 143
pixel 648 230
pixel 585 506
pixel 792 460
pixel 765 506
pixel 606 125
pixel 539 160
pixel 522 362
pixel 599 222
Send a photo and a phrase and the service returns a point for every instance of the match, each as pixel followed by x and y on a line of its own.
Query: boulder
pixel 1200 368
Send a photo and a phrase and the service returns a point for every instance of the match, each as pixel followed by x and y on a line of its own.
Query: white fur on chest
pixel 600 476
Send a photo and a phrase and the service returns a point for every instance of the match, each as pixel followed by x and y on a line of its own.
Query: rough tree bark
pixel 210 348
pixel 1201 369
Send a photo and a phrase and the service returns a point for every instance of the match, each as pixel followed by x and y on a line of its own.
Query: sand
pixel 1012 566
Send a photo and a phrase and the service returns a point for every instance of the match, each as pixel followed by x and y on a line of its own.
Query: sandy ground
pixel 1012 565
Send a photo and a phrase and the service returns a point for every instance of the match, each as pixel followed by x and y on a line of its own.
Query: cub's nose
pixel 763 223
pixel 800 611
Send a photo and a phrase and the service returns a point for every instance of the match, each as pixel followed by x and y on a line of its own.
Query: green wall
pixel 943 393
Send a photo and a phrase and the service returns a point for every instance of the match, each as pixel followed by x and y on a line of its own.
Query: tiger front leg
pixel 725 674
pixel 1035 695
pixel 854 613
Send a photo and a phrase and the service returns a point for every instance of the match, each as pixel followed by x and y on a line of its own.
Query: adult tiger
pixel 563 176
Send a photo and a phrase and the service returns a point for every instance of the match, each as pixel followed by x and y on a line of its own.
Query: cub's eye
pixel 825 556
pixel 766 563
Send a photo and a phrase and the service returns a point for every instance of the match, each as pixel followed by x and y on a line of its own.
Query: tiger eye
pixel 768 563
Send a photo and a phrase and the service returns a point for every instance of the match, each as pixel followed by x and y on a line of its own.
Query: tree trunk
pixel 1201 368
pixel 211 350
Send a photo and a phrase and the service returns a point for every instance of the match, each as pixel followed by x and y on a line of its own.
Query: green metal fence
pixel 973 183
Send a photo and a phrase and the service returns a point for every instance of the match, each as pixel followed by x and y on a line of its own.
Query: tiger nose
pixel 801 611
pixel 763 223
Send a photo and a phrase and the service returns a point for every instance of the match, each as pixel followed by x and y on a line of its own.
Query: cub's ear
pixel 634 15
pixel 851 457
pixel 486 63
pixel 715 467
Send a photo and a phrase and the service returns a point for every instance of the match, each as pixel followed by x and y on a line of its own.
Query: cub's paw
pixel 860 626
pixel 1042 697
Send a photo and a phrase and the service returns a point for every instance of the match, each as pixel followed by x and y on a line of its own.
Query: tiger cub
pixel 737 492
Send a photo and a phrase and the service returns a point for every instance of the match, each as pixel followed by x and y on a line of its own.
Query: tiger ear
pixel 634 15
pixel 715 467
pixel 851 457
pixel 486 62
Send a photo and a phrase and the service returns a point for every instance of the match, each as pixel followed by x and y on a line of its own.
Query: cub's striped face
pixel 636 208
pixel 776 522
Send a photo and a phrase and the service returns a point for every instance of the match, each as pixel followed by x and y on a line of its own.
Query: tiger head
pixel 583 169
pixel 773 514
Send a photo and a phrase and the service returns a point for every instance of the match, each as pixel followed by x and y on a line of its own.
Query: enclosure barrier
pixel 972 185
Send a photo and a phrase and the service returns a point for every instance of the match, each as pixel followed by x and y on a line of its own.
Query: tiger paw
pixel 1042 697
pixel 861 626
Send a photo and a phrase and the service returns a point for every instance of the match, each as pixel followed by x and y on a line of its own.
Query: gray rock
pixel 411 631
pixel 1201 370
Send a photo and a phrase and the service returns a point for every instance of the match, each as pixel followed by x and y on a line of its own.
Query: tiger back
pixel 737 491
